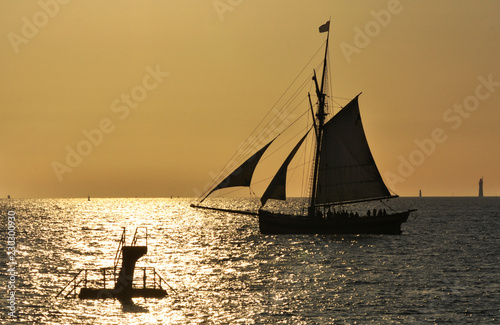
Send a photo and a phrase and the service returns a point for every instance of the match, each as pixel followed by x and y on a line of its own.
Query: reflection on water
pixel 444 268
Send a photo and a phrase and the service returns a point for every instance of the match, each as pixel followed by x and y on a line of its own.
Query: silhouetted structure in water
pixel 481 187
pixel 124 288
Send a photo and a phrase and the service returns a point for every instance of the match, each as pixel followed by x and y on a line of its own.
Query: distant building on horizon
pixel 481 187
pixel 419 193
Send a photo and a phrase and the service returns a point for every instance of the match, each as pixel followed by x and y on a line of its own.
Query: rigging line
pixel 265 179
pixel 281 112
pixel 319 65
pixel 387 205
pixel 293 110
pixel 295 94
pixel 393 193
pixel 229 163
pixel 279 99
pixel 305 156
pixel 233 163
pixel 284 144
pixel 271 125
pixel 329 80
pixel 308 172
pixel 335 102
pixel 338 97
pixel 292 170
pixel 236 163
pixel 284 106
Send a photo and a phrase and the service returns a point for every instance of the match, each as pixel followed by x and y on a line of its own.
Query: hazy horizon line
pixel 234 197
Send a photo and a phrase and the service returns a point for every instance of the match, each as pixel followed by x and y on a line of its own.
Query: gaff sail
pixel 241 176
pixel 277 188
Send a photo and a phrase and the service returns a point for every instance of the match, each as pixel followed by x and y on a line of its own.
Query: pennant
pixel 325 27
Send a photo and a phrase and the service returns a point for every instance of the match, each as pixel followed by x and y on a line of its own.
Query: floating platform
pixel 127 283
pixel 88 293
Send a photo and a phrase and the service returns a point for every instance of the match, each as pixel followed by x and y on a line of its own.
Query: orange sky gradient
pixel 165 91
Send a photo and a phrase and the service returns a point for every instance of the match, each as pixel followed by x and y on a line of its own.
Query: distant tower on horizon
pixel 481 187
pixel 419 193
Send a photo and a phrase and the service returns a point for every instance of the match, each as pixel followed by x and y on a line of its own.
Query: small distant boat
pixel 343 173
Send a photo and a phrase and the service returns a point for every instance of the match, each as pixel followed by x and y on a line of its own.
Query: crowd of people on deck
pixel 344 214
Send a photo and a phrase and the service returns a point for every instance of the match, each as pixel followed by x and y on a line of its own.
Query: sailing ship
pixel 343 173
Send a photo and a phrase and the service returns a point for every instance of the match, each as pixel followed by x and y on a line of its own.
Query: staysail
pixel 242 176
pixel 347 170
pixel 277 188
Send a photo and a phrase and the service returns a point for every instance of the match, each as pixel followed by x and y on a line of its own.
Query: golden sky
pixel 155 96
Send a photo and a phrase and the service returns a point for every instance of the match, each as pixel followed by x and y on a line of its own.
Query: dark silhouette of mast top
pixel 481 187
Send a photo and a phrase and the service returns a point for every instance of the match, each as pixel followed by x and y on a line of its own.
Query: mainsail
pixel 277 188
pixel 347 171
pixel 241 176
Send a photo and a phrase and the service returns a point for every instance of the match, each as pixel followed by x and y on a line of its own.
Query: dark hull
pixel 274 223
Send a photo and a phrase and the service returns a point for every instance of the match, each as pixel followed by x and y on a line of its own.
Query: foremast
pixel 319 117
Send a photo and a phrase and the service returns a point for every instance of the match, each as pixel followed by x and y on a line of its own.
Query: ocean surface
pixel 443 269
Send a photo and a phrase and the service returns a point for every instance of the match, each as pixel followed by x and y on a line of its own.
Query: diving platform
pixel 122 282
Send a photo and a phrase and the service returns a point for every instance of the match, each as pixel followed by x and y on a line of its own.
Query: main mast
pixel 320 116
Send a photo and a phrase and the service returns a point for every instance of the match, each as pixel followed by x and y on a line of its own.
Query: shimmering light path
pixel 442 269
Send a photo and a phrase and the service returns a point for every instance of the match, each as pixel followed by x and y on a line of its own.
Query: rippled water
pixel 444 268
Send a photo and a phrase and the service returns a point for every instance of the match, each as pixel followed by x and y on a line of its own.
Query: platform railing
pixel 136 236
pixel 105 278
pixel 118 254
pixel 73 285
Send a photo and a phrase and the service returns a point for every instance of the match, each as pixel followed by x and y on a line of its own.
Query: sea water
pixel 443 269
